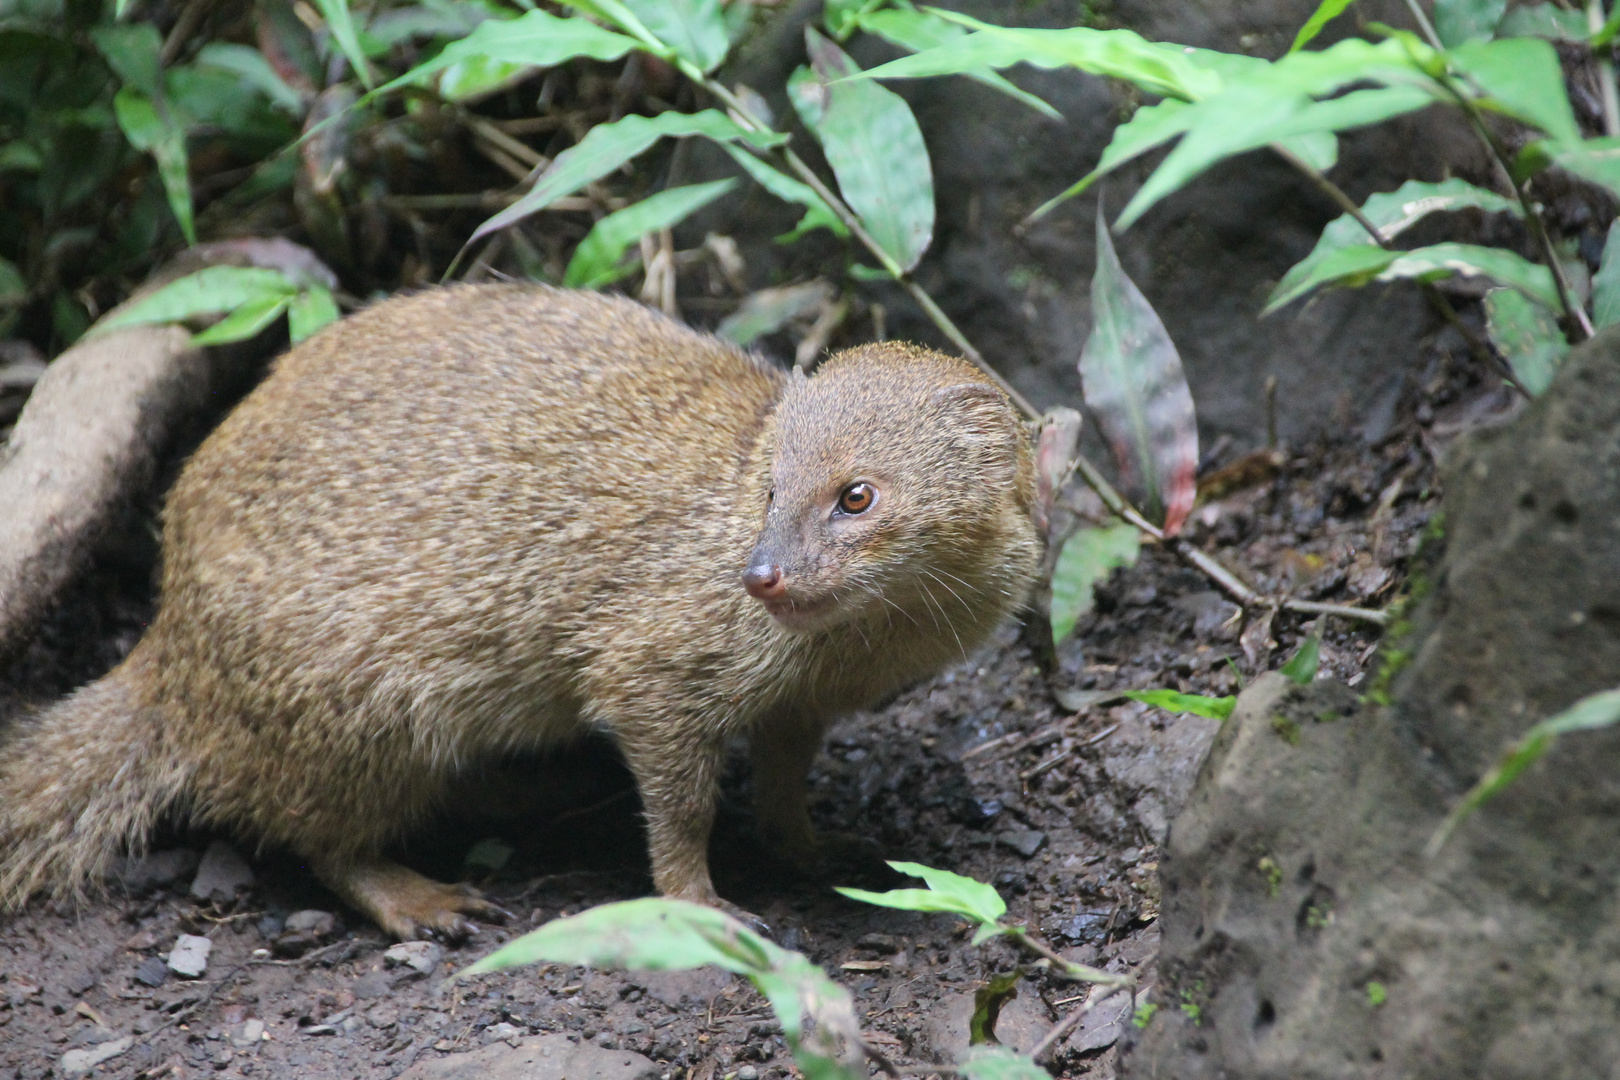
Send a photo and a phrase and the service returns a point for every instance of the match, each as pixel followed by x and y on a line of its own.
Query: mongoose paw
pixel 746 917
pixel 409 906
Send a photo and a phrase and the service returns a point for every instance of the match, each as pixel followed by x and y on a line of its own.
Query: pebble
pixel 221 874
pixel 320 923
pixel 152 971
pixel 747 1072
pixel 250 1034
pixel 419 956
pixel 1024 841
pixel 157 869
pixel 189 957
pixel 79 1062
pixel 502 1032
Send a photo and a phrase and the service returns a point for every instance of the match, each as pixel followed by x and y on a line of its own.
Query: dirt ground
pixel 979 771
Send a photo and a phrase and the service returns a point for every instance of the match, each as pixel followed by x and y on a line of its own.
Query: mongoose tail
pixel 81 783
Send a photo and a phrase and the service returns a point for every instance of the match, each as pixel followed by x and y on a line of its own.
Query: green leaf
pixel 946 892
pixel 156 132
pixel 1599 710
pixel 817 214
pixel 768 310
pixel 841 17
pixel 213 291
pixel 1318 149
pixel 1326 12
pixel 1470 260
pixel 309 311
pixel 1088 557
pixel 616 13
pixel 340 22
pixel 999 1063
pixel 987 1002
pixel 1391 213
pixel 694 30
pixel 1544 21
pixel 1212 708
pixel 1150 126
pixel 1606 282
pixel 1302 667
pixel 133 52
pixel 1527 334
pixel 1606 33
pixel 596 259
pixel 538 38
pixel 1457 21
pixel 876 151
pixel 1522 78
pixel 20 157
pixel 1597 160
pixel 250 65
pixel 13 288
pixel 245 322
pixel 919 30
pixel 607 146
pixel 477 76
pixel 1132 380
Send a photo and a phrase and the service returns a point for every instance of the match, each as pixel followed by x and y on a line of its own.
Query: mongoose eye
pixel 857 498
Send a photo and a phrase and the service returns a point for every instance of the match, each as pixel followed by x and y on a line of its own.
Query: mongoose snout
pixel 487 519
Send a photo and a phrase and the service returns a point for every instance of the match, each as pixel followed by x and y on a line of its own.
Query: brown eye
pixel 857 498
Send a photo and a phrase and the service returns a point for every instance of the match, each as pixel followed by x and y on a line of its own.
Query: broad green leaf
pixel 309 311
pixel 1326 12
pixel 1599 710
pixel 1301 669
pixel 213 291
pixel 1470 260
pixel 157 133
pixel 999 1063
pixel 1392 213
pixel 1606 282
pixel 1597 160
pixel 1522 78
pixel 616 13
pixel 1150 126
pixel 13 289
pixel 694 29
pixel 251 66
pixel 607 146
pixel 1131 376
pixel 1544 21
pixel 1087 558
pixel 1318 149
pixel 1459 21
pixel 1527 334
pixel 841 17
pixel 1211 708
pixel 477 76
pixel 919 30
pixel 876 150
pixel 538 38
pixel 768 310
pixel 596 259
pixel 340 21
pixel 1606 33
pixel 133 53
pixel 1119 54
pixel 817 214
pixel 245 322
pixel 946 891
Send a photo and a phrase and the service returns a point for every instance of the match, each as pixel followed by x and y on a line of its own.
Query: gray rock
pixel 250 1034
pixel 1024 841
pixel 1103 1025
pixel 152 971
pixel 420 956
pixel 539 1057
pixel 189 957
pixel 156 869
pixel 79 1062
pixel 502 1032
pixel 373 984
pixel 323 924
pixel 221 874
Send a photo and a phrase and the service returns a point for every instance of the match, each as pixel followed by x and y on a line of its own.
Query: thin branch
pixel 1424 24
pixel 1065 967
pixel 1070 1022
pixel 1605 72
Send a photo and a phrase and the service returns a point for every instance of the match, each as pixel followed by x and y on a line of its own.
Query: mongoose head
pixel 901 488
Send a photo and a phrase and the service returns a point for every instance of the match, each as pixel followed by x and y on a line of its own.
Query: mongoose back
pixel 487 519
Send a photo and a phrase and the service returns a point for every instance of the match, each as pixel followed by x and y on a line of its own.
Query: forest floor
pixel 979 771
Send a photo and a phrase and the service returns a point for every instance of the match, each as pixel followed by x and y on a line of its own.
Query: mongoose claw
pixel 409 906
pixel 747 918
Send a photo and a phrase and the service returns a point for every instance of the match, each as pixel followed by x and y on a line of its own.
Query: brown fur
pixel 484 519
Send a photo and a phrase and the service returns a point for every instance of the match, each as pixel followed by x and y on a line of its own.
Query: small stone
pixel 1024 841
pixel 502 1032
pixel 156 869
pixel 373 984
pixel 80 981
pixel 1103 1025
pixel 152 971
pixel 420 956
pixel 249 1034
pixel 142 940
pixel 321 923
pixel 879 943
pixel 383 1017
pixel 78 1062
pixel 747 1072
pixel 221 874
pixel 189 957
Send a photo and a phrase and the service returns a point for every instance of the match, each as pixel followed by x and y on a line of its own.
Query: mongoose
pixel 486 519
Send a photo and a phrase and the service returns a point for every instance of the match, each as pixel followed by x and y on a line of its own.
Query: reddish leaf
pixel 1132 379
pixel 1055 453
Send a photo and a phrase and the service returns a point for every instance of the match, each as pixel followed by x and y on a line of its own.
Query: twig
pixel 1070 1022
pixel 1605 73
pixel 1064 967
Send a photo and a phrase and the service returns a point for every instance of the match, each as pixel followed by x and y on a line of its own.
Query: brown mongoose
pixel 486 519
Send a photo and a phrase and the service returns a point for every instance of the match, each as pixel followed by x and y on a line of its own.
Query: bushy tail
pixel 79 784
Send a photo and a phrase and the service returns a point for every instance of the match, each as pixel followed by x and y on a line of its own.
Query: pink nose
pixel 764 581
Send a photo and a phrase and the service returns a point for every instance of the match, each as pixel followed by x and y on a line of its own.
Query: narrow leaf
pixel 999 1063
pixel 340 22
pixel 1471 260
pixel 1596 711
pixel 607 146
pixel 251 66
pixel 919 30
pixel 1211 708
pixel 213 291
pixel 1150 126
pixel 1301 669
pixel 1597 160
pixel 596 259
pixel 1527 334
pixel 133 51
pixel 817 214
pixel 1544 21
pixel 245 322
pixel 768 310
pixel 974 899
pixel 157 132
pixel 309 311
pixel 694 30
pixel 1459 21
pixel 876 150
pixel 1522 78
pixel 537 38
pixel 1131 376
pixel 1088 557
pixel 1606 282
pixel 1326 12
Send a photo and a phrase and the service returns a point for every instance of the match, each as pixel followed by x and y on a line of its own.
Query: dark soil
pixel 979 771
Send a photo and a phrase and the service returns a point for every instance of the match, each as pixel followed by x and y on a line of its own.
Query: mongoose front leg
pixel 406 904
pixel 782 749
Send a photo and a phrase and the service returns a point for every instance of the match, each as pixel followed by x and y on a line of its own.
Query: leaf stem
pixel 1064 966
pixel 1605 72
